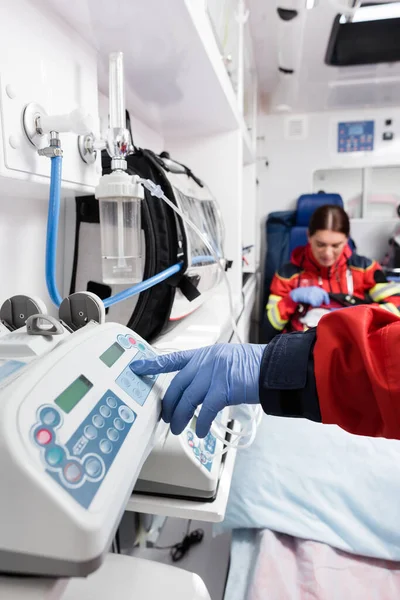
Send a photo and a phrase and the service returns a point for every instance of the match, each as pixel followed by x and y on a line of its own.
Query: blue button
pixel 196 451
pixel 50 416
pixel 190 435
pixel 54 456
pixel 125 343
pixel 106 446
pixel 112 434
pixel 94 467
pixel 105 411
pixel 90 432
pixel 98 421
pixel 126 414
pixel 112 403
pixel 119 424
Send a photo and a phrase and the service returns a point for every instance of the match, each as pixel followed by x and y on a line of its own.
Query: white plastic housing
pixel 48 525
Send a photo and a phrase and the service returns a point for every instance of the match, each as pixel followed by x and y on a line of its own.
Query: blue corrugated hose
pixel 51 248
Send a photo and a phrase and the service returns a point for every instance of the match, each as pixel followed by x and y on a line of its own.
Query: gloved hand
pixel 313 295
pixel 215 376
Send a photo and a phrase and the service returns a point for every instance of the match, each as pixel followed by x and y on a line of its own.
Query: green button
pixel 54 456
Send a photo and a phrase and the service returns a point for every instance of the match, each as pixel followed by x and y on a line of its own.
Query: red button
pixel 132 340
pixel 72 472
pixel 43 437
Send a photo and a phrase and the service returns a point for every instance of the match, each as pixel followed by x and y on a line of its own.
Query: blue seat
pixel 306 205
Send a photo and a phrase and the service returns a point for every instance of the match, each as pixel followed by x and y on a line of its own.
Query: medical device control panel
pixel 81 463
pixel 356 136
pixel 203 449
pixel 76 426
pixel 184 466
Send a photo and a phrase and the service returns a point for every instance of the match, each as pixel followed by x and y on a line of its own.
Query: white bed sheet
pixel 317 482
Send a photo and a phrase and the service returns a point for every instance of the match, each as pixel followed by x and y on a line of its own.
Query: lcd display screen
pixel 356 129
pixel 112 354
pixel 74 393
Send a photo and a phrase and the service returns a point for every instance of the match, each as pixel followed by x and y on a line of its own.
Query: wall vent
pixel 296 128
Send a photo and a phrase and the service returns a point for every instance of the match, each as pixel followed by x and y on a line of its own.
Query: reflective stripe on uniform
pixel 272 300
pixel 391 308
pixel 273 313
pixel 384 290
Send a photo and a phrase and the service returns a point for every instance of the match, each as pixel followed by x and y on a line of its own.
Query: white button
pixel 94 467
pixel 126 414
pixel 112 434
pixel 90 432
pixel 105 411
pixel 119 424
pixel 98 421
pixel 106 446
pixel 112 403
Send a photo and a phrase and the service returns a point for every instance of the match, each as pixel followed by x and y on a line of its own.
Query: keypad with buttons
pixel 203 450
pixel 81 464
pixel 138 388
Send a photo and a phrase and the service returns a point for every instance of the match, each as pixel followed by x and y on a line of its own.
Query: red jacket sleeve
pixel 357 370
pixel 383 292
pixel 280 306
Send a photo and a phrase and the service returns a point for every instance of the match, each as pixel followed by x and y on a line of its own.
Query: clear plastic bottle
pixel 120 196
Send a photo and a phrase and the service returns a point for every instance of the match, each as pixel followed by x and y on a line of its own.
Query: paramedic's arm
pixel 280 307
pixel 383 292
pixel 344 372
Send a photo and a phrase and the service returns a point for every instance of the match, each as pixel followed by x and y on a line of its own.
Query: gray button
pixel 126 382
pixel 119 424
pixel 112 403
pixel 105 411
pixel 98 421
pixel 106 446
pixel 94 467
pixel 90 432
pixel 112 434
pixel 126 414
pixel 50 416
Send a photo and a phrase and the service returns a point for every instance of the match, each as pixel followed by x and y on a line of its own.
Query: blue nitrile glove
pixel 313 295
pixel 215 376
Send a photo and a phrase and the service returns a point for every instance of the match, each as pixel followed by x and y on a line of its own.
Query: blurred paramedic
pixel 325 273
pixel 344 372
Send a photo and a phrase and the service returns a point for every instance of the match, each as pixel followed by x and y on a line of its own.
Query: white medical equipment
pixel 183 466
pixel 76 425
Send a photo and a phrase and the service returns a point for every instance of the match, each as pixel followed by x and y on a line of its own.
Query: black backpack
pixel 165 244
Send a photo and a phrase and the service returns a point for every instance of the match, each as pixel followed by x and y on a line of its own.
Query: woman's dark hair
pixel 329 218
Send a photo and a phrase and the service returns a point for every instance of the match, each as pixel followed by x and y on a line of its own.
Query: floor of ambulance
pixel 210 559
